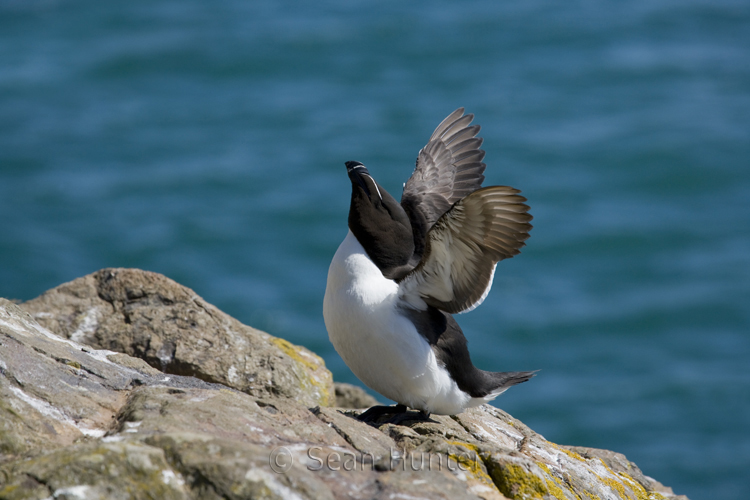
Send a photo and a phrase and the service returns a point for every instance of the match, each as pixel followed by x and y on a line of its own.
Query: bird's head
pixel 360 177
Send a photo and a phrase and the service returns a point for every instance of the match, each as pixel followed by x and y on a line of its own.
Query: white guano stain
pixel 50 411
pixel 172 479
pixel 86 326
pixel 82 492
pixel 232 375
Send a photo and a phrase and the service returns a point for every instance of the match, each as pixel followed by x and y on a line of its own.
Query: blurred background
pixel 207 140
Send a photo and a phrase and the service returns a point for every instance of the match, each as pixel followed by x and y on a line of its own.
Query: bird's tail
pixel 503 380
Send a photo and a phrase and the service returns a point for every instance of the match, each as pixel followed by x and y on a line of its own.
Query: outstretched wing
pixel 448 168
pixel 463 248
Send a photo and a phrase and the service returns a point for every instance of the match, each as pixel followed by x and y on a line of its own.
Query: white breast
pixel 382 347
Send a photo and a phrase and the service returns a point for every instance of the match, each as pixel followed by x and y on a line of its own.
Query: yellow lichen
pixel 471 466
pixel 292 351
pixel 466 445
pixel 637 491
pixel 640 492
pixel 589 495
pixel 633 491
pixel 470 463
pixel 515 482
pixel 7 490
pixel 322 387
pixel 552 484
pixel 571 454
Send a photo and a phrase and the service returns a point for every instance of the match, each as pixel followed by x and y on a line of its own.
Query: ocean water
pixel 207 140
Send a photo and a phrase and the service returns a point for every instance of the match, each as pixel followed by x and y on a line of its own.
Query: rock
pixel 620 464
pixel 351 396
pixel 97 470
pixel 54 392
pixel 84 423
pixel 149 316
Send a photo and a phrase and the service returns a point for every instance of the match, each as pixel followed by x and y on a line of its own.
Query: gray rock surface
pixel 83 422
pixel 149 316
pixel 352 396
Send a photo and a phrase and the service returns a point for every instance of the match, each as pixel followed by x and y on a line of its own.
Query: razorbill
pixel 405 268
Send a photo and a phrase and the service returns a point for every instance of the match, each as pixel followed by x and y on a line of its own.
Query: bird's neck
pixel 384 231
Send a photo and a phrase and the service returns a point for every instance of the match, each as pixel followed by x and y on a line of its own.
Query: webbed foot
pixel 415 416
pixel 375 412
pixel 399 414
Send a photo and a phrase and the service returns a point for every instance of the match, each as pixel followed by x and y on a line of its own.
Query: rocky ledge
pixel 125 384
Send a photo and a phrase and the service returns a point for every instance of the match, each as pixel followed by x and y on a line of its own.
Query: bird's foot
pixel 399 414
pixel 375 412
pixel 417 416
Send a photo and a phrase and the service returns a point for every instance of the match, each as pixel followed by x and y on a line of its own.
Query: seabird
pixel 405 268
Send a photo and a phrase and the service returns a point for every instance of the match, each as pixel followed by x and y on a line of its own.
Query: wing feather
pixel 452 154
pixel 464 246
pixel 448 169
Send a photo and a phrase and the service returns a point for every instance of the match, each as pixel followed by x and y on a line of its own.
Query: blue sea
pixel 207 140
